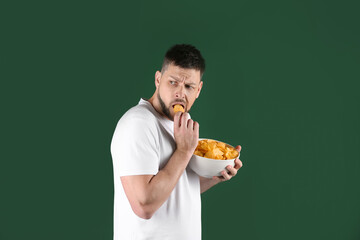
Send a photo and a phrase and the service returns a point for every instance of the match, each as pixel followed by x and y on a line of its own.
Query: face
pixel 177 85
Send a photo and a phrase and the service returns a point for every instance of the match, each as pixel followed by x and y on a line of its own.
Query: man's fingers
pixel 225 175
pixel 190 124
pixel 177 119
pixel 238 148
pixel 232 170
pixel 220 179
pixel 187 116
pixel 196 129
pixel 238 164
pixel 183 120
pixel 196 126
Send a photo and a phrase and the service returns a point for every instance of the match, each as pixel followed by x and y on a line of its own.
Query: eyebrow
pixel 177 79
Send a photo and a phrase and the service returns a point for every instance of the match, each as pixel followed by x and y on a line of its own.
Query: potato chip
pixel 204 146
pixel 214 153
pixel 234 154
pixel 212 145
pixel 178 108
pixel 221 145
pixel 199 153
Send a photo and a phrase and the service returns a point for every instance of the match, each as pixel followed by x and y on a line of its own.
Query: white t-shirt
pixel 142 143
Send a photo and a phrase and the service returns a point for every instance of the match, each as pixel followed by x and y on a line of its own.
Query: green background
pixel 282 80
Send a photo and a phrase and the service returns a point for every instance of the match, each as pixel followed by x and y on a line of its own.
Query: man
pixel 156 195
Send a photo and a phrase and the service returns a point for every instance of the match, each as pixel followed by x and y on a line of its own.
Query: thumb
pixel 238 148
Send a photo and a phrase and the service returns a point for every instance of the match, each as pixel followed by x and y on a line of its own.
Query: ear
pixel 157 78
pixel 200 86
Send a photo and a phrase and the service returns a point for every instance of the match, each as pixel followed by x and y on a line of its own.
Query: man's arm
pixel 146 193
pixel 207 183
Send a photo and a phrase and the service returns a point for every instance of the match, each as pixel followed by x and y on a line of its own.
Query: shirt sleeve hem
pixel 137 172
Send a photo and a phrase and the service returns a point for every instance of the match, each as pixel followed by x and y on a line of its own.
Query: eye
pixel 172 82
pixel 188 86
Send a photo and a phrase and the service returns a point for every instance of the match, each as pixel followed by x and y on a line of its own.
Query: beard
pixel 165 109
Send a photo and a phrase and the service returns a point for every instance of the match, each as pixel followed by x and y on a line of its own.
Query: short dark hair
pixel 184 56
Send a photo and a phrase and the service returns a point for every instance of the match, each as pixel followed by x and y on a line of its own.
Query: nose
pixel 180 92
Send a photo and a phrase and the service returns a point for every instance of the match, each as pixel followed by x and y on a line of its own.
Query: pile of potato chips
pixel 216 150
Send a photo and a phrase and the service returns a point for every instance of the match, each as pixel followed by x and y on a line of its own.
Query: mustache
pixel 180 101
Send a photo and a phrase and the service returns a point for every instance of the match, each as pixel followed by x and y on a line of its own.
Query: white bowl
pixel 207 167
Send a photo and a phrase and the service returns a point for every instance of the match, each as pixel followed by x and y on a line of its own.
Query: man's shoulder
pixel 139 114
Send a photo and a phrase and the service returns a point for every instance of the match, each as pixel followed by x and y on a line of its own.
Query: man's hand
pixel 186 133
pixel 232 171
pixel 206 183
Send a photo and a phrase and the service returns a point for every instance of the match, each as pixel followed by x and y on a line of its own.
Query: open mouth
pixel 178 104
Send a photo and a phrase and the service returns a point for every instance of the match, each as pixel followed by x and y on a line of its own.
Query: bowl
pixel 207 167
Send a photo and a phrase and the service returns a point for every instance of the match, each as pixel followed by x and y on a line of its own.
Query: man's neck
pixel 156 105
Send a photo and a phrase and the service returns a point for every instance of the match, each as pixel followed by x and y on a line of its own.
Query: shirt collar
pixel 166 122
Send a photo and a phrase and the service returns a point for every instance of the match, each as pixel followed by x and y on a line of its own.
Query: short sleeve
pixel 134 147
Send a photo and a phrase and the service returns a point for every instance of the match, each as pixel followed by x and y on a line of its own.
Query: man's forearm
pixel 161 185
pixel 207 183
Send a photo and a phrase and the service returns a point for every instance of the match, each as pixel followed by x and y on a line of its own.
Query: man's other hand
pixel 232 171
pixel 186 133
